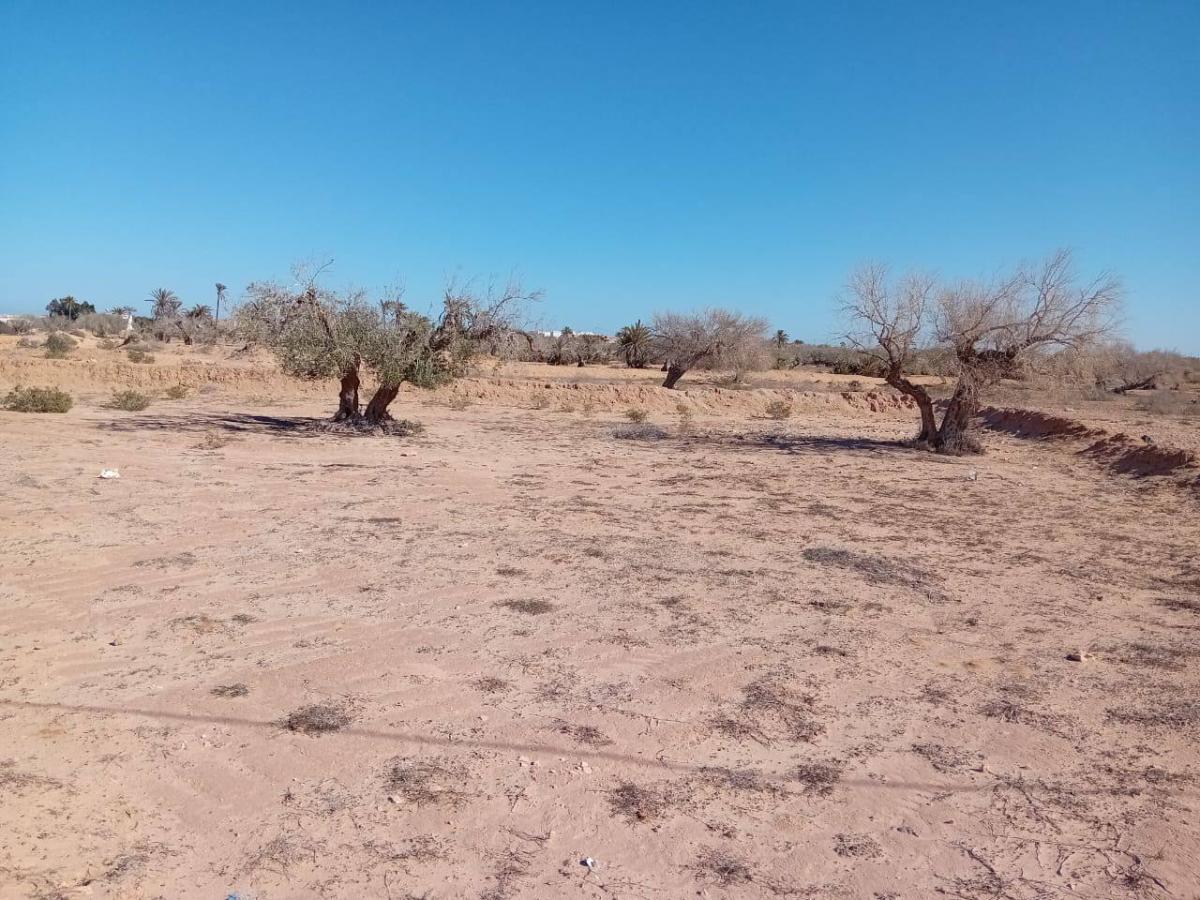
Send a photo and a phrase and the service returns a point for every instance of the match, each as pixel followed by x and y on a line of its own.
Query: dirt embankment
pixel 606 390
pixel 1119 453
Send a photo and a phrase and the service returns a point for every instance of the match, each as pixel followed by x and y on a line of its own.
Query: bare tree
pixel 892 326
pixel 990 327
pixel 685 341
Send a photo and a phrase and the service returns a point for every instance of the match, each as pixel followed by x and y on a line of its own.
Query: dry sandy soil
pixel 749 659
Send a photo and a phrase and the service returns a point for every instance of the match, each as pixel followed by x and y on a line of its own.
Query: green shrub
pixel 130 401
pixel 38 400
pixel 140 356
pixel 58 345
pixel 177 391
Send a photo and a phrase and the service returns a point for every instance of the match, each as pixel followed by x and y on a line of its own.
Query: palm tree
pixel 220 297
pixel 166 304
pixel 781 338
pixel 633 345
pixel 199 311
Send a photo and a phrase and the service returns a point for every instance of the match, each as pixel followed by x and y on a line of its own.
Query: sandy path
pixel 767 660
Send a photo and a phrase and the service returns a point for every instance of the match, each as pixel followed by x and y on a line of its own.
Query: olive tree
pixel 990 327
pixel 709 338
pixel 318 333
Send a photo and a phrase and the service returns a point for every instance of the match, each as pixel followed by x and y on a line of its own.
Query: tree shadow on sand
pixel 240 423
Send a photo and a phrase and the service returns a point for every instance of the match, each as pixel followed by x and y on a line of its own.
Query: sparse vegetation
pixel 178 392
pixel 636 414
pixel 779 410
pixel 59 345
pixel 318 718
pixel 38 400
pixel 129 401
pixel 139 356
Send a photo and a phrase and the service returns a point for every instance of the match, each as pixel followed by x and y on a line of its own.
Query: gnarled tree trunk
pixel 956 435
pixel 924 406
pixel 348 396
pixel 376 412
pixel 674 373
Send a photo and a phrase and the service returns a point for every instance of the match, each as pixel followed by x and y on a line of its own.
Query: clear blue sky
pixel 626 157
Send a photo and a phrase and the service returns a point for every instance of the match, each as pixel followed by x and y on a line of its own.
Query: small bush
pixel 779 410
pixel 77 332
pixel 130 401
pixel 541 401
pixel 686 419
pixel 459 402
pixel 177 391
pixel 28 343
pixel 639 432
pixel 140 356
pixel 21 326
pixel 635 414
pixel 588 406
pixel 38 400
pixel 58 345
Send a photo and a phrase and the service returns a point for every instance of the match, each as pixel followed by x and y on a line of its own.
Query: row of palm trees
pixel 168 306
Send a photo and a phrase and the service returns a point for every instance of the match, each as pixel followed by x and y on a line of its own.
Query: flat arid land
pixel 535 650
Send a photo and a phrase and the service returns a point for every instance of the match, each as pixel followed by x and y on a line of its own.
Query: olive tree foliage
pixel 991 328
pixel 706 339
pixel 318 333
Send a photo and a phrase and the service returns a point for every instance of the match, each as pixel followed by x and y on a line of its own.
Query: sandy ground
pixel 752 659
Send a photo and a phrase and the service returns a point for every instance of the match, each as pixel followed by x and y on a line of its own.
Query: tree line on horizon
pixel 973 332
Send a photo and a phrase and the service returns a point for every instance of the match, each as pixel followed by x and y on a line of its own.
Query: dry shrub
pixel 58 345
pixel 637 415
pixel 635 803
pixel 642 432
pixel 584 734
pixel 229 691
pixel 38 400
pixel 459 402
pixel 862 846
pixel 434 780
pixel 873 569
pixel 541 401
pixel 139 356
pixel 491 684
pixel 178 391
pixel 1170 403
pixel 318 718
pixel 817 779
pixel 771 709
pixel 723 867
pixel 129 401
pixel 213 440
pixel 529 607
pixel 779 410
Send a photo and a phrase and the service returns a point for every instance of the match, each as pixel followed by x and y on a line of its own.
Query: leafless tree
pixel 989 326
pixel 711 337
pixel 892 325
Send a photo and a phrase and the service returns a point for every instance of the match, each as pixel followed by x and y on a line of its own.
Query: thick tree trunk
pixel 348 397
pixel 956 435
pixel 924 406
pixel 376 412
pixel 674 373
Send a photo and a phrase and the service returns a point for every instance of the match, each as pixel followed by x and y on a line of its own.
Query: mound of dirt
pixel 1029 423
pixel 1129 456
pixel 1119 452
